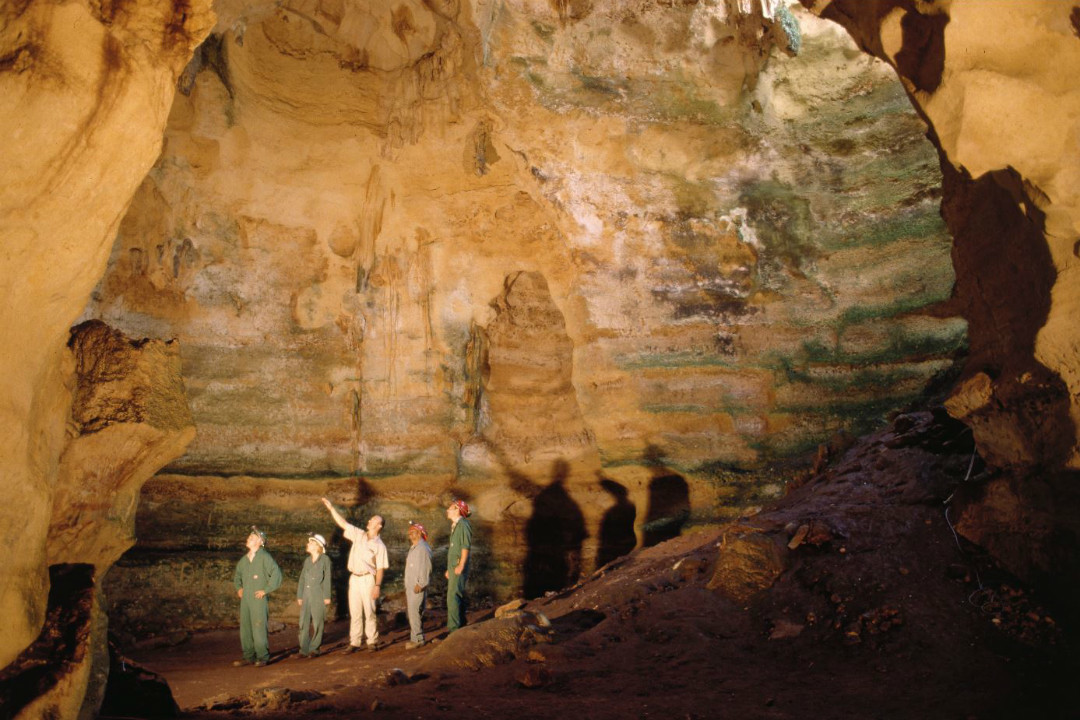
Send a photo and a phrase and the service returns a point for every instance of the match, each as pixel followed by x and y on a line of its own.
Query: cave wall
pixel 326 284
pixel 675 243
pixel 92 88
pixel 996 83
pixel 87 90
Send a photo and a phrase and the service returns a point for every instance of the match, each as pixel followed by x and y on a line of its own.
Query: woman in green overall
pixel 313 595
pixel 457 563
pixel 256 576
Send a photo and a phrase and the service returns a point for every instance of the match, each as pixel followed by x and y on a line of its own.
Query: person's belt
pixel 364 574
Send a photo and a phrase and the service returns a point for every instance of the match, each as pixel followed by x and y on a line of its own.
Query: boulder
pixel 747 561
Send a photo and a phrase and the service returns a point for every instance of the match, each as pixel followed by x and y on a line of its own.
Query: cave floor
pixel 880 612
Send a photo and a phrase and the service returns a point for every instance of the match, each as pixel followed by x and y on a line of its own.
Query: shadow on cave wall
pixel 617 537
pixel 1004 278
pixel 554 532
pixel 1025 514
pixel 669 501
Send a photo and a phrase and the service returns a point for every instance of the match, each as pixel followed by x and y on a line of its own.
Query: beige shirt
pixel 367 555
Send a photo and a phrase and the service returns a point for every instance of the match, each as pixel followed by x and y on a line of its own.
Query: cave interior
pixel 745 327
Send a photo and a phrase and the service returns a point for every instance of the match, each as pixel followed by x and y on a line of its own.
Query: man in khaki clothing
pixel 367 562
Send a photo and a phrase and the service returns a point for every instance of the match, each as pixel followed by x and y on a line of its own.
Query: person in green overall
pixel 313 595
pixel 457 563
pixel 256 576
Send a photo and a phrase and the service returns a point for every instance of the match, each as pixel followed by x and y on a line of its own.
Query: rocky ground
pixel 849 598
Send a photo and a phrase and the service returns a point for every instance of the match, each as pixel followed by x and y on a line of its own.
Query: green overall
pixel 313 589
pixel 460 539
pixel 259 573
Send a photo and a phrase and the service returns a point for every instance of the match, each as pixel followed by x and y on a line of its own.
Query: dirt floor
pixel 850 598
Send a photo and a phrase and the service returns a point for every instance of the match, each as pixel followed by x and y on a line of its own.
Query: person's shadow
pixel 553 534
pixel 617 536
pixel 669 501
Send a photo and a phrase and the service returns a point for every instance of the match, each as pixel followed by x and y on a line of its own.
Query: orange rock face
pixel 514 255
pixel 447 247
pixel 88 91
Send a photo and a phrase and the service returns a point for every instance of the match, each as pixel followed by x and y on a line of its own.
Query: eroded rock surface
pixel 994 81
pixel 493 251
pixel 88 88
pixel 131 418
pixel 460 145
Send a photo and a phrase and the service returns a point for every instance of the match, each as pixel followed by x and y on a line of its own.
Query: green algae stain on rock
pixel 783 221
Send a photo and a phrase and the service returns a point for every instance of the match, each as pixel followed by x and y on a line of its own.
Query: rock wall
pixel 539 257
pixel 91 86
pixel 129 417
pixel 87 90
pixel 994 80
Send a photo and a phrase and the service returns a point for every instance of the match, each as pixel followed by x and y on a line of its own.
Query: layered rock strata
pixel 540 259
pixel 993 80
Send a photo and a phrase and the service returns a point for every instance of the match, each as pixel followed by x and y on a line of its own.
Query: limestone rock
pixel 1003 142
pixel 490 643
pixel 735 279
pixel 337 317
pixel 747 562
pixel 265 698
pixel 505 249
pixel 1029 524
pixel 54 676
pixel 783 629
pixel 89 88
pixel 510 609
pixel 132 418
pixel 394 677
pixel 534 676
pixel 991 80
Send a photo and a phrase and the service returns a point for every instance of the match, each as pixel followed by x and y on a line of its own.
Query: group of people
pixel 257 575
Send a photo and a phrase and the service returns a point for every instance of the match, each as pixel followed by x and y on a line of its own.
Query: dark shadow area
pixel 577 621
pixel 554 532
pixel 554 535
pixel 617 536
pixel 921 58
pixel 1004 278
pixel 1044 552
pixel 669 501
pixel 922 54
pixel 62 644
pixel 135 691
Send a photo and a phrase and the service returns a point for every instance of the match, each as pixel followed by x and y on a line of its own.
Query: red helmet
pixel 463 507
pixel 418 526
